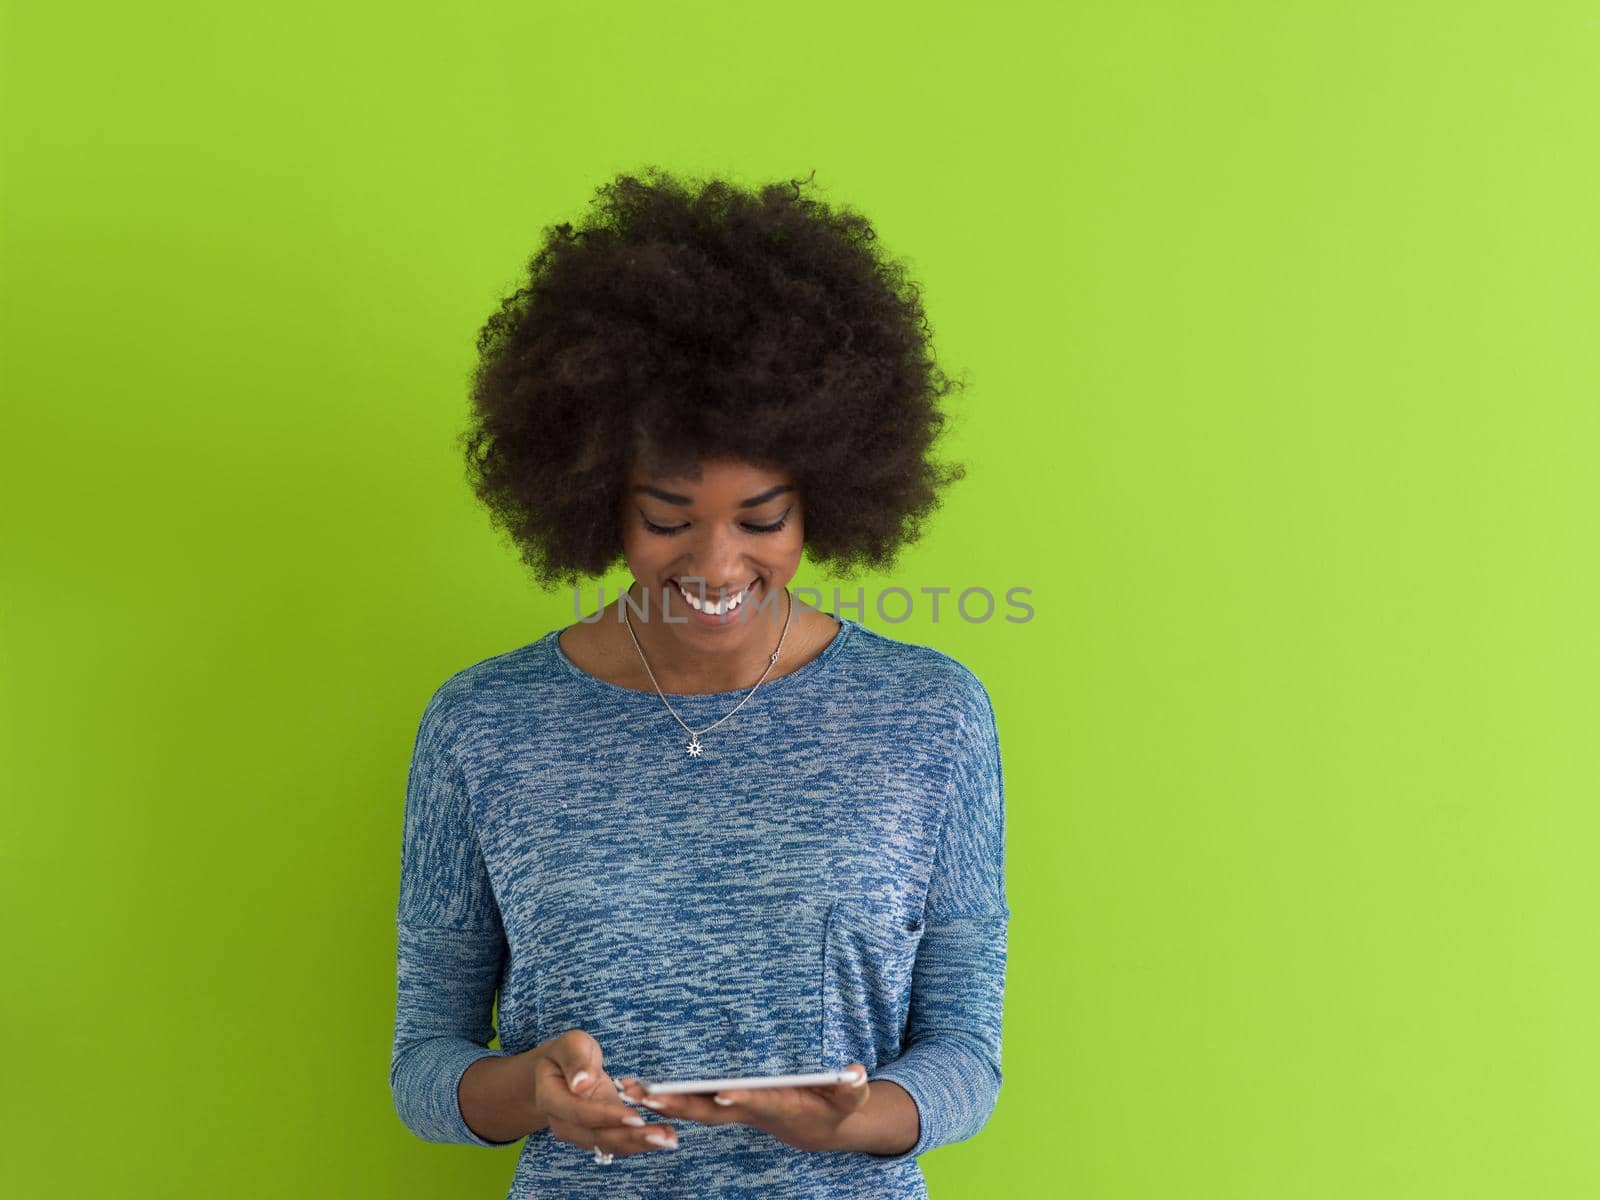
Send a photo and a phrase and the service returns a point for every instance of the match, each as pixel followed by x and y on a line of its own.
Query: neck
pixel 731 664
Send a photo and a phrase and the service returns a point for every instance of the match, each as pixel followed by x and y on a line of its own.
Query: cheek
pixel 640 548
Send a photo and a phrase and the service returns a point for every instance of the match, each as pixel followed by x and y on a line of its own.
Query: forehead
pixel 713 476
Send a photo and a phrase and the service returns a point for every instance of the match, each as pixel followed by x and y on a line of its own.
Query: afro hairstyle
pixel 689 321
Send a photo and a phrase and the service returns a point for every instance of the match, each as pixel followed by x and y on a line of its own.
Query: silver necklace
pixel 695 748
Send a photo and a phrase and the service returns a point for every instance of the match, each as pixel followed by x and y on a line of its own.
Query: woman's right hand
pixel 593 1114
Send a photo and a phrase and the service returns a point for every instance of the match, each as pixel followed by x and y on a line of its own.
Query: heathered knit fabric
pixel 825 885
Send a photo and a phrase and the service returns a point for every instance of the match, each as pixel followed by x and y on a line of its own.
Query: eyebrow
pixel 674 498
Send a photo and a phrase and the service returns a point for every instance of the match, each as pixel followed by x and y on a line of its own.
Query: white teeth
pixel 710 606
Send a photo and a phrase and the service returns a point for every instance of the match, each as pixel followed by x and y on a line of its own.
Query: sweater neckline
pixel 816 666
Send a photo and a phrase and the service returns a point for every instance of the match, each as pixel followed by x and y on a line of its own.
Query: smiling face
pixel 733 533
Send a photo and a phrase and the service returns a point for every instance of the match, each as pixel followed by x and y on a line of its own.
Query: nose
pixel 720 563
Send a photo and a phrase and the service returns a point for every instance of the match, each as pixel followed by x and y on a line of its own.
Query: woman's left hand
pixel 807 1118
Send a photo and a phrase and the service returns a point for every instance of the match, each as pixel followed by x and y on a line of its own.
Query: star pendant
pixel 694 746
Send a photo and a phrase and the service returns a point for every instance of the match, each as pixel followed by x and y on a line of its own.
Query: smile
pixel 712 608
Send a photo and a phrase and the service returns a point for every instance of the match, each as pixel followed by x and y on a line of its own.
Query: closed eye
pixel 670 530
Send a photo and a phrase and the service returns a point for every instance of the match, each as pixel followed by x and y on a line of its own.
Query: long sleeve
pixel 951 1064
pixel 451 945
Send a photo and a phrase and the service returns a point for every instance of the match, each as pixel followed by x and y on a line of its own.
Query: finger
pixel 604 1114
pixel 578 1064
pixel 684 1105
pixel 754 1104
pixel 777 1103
pixel 604 1109
pixel 851 1094
pixel 632 1091
pixel 595 1103
pixel 596 1084
pixel 573 1051
pixel 614 1140
pixel 579 1067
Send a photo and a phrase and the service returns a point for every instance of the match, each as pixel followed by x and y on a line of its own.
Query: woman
pixel 705 831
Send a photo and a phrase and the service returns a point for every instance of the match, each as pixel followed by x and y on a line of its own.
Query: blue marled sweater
pixel 824 885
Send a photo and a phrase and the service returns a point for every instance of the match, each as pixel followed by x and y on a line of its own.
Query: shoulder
pixel 928 679
pixel 472 693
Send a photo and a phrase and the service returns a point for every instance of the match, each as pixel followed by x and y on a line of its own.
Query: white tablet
pixel 817 1079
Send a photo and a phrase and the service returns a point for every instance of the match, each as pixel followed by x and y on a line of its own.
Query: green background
pixel 1278 321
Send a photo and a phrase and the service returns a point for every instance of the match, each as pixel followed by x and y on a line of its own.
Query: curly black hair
pixel 693 321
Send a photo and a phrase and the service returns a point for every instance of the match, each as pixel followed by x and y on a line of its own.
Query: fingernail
pixel 720 1100
pixel 633 1119
pixel 665 1141
pixel 858 1080
pixel 651 1103
pixel 578 1079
